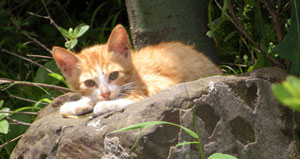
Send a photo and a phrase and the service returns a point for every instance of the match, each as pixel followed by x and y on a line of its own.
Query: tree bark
pixel 154 21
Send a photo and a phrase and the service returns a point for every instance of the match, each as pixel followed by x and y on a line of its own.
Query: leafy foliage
pixel 289 48
pixel 73 35
pixel 28 32
pixel 288 92
pixel 246 32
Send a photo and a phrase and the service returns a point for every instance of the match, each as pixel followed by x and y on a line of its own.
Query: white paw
pixel 104 107
pixel 79 107
pixel 68 108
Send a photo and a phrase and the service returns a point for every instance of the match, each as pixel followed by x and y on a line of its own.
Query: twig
pixel 39 56
pixel 27 59
pixel 272 12
pixel 8 81
pixel 236 23
pixel 17 121
pixel 28 113
pixel 25 99
pixel 31 38
pixel 50 19
pixel 12 140
pixel 232 64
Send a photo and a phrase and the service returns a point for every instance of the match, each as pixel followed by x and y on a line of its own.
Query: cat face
pixel 102 72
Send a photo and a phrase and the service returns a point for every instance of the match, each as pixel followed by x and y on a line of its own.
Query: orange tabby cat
pixel 111 76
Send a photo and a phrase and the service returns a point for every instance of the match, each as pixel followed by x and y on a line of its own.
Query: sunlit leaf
pixel 58 77
pixel 73 43
pixel 3 115
pixel 221 156
pixel 46 100
pixel 64 32
pixel 4 126
pixel 288 92
pixel 152 123
pixel 80 30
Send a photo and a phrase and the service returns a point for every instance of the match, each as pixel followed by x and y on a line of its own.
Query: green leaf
pixel 73 43
pixel 1 103
pixel 230 35
pixel 25 108
pixel 187 143
pixel 288 92
pixel 289 48
pixel 221 156
pixel 3 115
pixel 80 30
pixel 259 63
pixel 152 123
pixel 64 32
pixel 229 68
pixel 42 100
pixel 209 34
pixel 140 125
pixel 4 126
pixel 225 4
pixel 71 33
pixel 42 75
pixel 58 77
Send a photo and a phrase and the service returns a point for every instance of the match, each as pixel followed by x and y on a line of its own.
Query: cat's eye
pixel 89 83
pixel 114 75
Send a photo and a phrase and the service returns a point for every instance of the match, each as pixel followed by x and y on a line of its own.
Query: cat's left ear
pixel 118 41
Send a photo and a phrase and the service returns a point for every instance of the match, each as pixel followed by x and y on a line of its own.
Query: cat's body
pixel 111 76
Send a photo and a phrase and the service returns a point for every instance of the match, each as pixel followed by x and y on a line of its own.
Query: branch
pixel 31 38
pixel 12 140
pixel 239 26
pixel 39 56
pixel 27 59
pixel 271 9
pixel 28 113
pixel 17 121
pixel 47 17
pixel 12 82
pixel 24 99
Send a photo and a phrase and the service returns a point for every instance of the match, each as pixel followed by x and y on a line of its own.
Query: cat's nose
pixel 106 95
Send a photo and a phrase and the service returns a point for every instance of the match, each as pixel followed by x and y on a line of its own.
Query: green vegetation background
pixel 244 33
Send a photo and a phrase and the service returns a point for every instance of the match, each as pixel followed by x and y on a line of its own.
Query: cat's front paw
pixel 68 108
pixel 103 108
pixel 80 107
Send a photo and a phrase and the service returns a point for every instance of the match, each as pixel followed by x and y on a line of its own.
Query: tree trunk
pixel 154 21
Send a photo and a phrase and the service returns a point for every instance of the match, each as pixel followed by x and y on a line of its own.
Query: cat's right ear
pixel 65 60
pixel 118 41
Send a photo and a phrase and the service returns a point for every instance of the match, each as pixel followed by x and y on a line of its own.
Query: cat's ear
pixel 65 60
pixel 118 41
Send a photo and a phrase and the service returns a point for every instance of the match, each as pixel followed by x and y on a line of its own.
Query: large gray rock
pixel 235 115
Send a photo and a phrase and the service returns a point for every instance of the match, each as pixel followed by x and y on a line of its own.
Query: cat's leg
pixel 82 106
pixel 103 107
